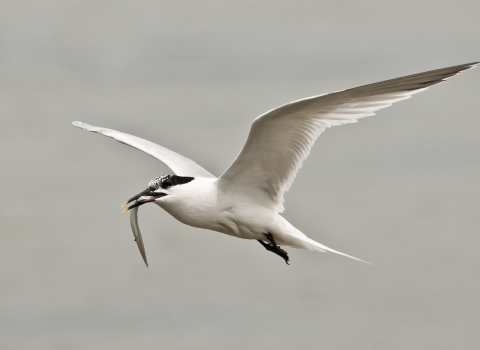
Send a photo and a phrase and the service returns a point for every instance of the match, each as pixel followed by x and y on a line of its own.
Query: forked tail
pixel 322 248
pixel 297 239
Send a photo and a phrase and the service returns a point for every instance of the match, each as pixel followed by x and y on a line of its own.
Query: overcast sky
pixel 400 190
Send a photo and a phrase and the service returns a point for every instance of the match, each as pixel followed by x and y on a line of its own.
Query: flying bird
pixel 247 199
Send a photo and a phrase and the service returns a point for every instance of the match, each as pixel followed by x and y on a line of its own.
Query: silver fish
pixel 136 233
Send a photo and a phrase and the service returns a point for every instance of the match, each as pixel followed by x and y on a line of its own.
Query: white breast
pixel 194 203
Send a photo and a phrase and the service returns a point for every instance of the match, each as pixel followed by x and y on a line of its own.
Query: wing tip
pixel 87 127
pixel 458 70
pixel 472 65
pixel 464 67
pixel 80 125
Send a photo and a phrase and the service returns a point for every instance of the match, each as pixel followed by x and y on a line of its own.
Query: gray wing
pixel 280 140
pixel 180 165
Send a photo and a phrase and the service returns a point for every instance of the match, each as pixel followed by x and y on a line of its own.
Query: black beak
pixel 148 192
pixel 143 193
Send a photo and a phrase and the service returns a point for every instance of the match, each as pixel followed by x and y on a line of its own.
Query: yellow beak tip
pixel 124 204
pixel 124 210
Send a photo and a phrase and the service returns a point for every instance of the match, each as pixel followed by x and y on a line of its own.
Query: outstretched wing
pixel 180 165
pixel 281 139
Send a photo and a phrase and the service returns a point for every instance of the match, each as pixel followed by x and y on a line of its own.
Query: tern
pixel 247 199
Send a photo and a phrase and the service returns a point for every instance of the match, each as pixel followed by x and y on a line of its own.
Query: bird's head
pixel 158 188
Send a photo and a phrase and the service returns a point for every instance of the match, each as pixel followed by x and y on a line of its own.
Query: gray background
pixel 400 189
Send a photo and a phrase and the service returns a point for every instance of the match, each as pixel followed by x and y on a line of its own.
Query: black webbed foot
pixel 274 248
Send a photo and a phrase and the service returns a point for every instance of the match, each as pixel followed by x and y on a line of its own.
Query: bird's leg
pixel 274 248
